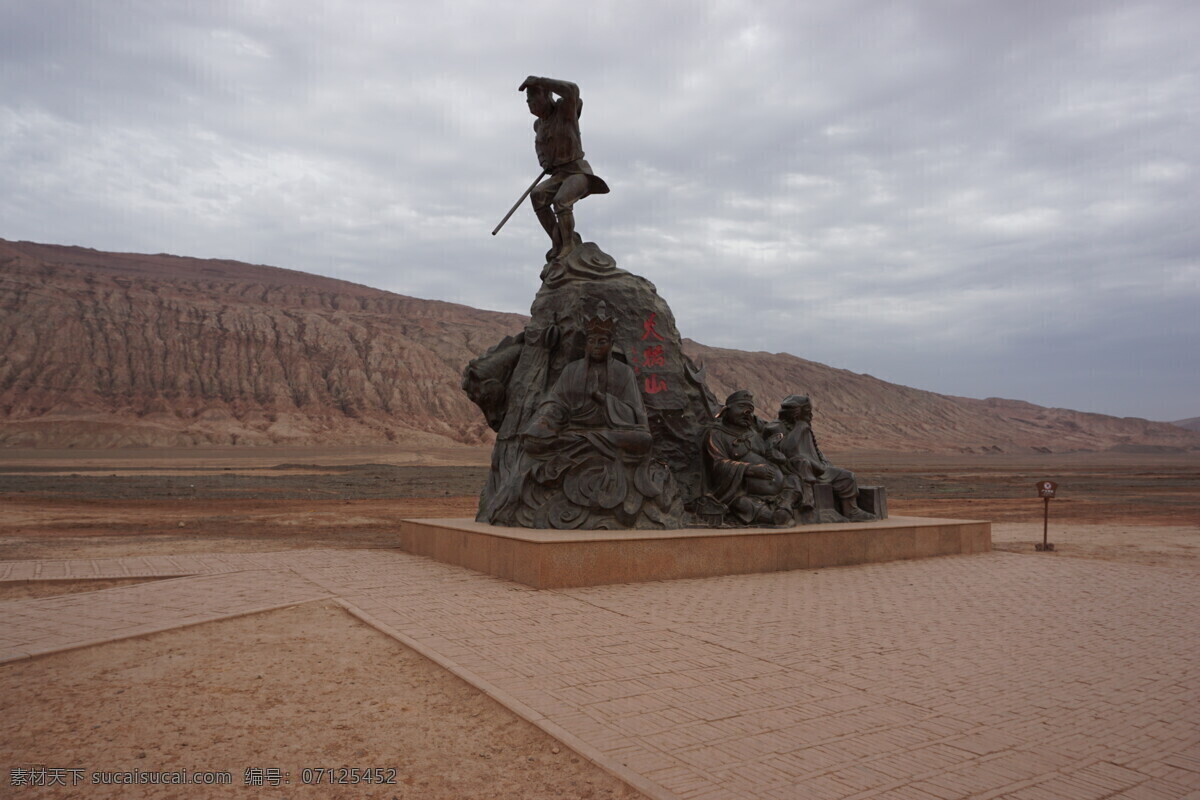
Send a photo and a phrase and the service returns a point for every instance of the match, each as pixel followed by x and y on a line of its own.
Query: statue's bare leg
pixel 542 197
pixel 566 232
pixel 572 189
pixel 546 217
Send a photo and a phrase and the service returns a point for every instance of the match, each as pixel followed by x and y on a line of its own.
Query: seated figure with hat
pixel 744 474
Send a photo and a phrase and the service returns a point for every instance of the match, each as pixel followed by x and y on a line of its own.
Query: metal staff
pixel 517 205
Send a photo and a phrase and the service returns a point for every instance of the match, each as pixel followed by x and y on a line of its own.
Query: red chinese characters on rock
pixel 648 330
pixel 653 357
pixel 655 384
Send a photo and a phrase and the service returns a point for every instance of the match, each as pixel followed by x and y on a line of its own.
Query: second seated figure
pixel 793 437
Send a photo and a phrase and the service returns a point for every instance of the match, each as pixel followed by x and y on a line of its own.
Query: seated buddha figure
pixel 589 445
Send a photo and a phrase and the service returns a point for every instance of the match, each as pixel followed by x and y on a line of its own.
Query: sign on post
pixel 1046 491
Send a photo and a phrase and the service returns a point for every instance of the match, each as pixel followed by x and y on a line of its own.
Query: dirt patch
pixel 282 482
pixel 1093 488
pixel 1153 545
pixel 308 687
pixel 1136 508
pixel 238 458
pixel 46 527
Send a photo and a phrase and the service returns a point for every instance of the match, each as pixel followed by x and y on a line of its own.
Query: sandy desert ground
pixel 311 686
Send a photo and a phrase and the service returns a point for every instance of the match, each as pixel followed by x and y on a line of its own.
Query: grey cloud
pixel 925 192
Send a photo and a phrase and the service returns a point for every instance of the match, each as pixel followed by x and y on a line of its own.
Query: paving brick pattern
pixel 43 625
pixel 136 566
pixel 991 675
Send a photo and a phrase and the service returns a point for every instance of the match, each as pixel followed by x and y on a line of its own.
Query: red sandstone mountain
pixel 107 349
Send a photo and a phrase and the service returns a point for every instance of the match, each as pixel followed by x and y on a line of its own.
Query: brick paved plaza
pixel 988 675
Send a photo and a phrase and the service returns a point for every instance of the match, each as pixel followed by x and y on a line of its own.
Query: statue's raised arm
pixel 560 153
pixel 567 92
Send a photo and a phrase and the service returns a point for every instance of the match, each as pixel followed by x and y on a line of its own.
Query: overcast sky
pixel 975 198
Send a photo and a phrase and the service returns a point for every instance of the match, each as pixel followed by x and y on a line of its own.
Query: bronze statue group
pixel 576 445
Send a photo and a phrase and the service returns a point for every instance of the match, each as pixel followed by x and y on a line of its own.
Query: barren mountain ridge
pixel 116 350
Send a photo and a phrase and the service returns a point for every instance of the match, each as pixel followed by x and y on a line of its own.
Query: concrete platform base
pixel 548 559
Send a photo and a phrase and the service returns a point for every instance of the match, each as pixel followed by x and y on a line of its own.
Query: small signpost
pixel 1046 490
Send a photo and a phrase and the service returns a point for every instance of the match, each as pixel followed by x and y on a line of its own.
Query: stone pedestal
pixel 547 559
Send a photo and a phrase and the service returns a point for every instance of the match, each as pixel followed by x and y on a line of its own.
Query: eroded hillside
pixel 106 349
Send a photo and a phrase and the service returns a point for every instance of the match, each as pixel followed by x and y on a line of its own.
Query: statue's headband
pixel 740 396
